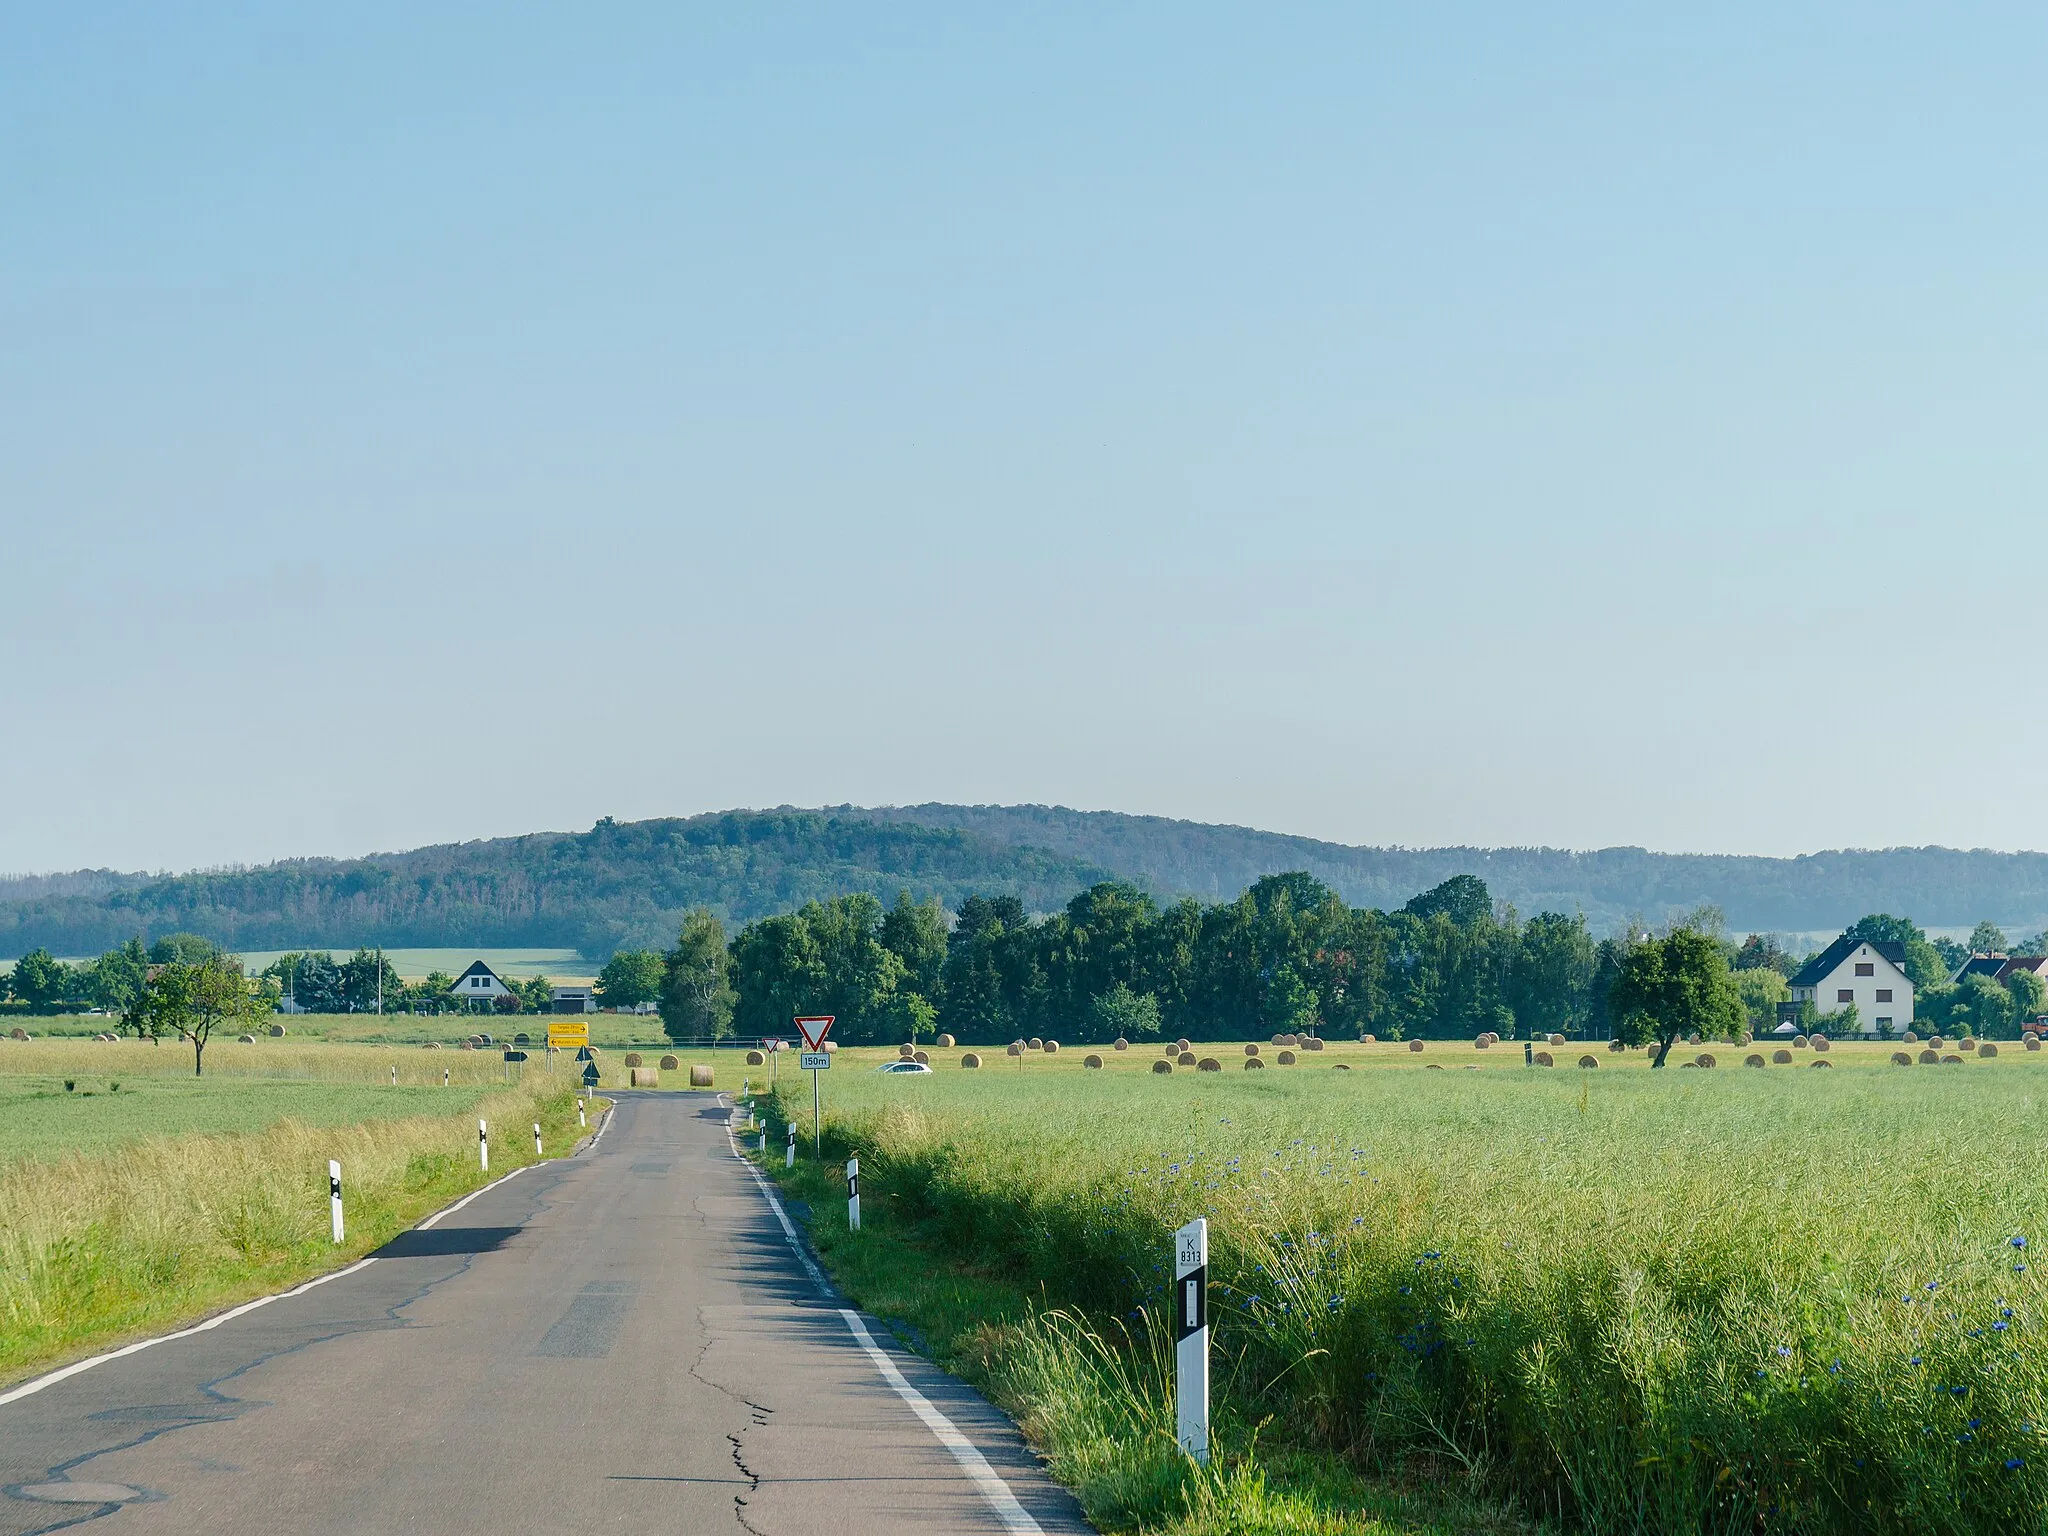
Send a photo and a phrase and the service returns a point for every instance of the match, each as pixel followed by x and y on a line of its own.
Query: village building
pixel 480 985
pixel 1871 976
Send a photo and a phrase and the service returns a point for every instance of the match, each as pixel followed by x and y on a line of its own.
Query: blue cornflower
pixel 2019 1242
pixel 1336 1302
pixel 1835 1369
pixel 1405 1291
pixel 1976 1423
pixel 1914 1361
pixel 1934 1285
pixel 2013 1464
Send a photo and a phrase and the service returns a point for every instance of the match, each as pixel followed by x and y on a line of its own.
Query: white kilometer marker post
pixel 483 1146
pixel 334 1195
pixel 581 1123
pixel 536 1140
pixel 789 1157
pixel 853 1195
pixel 1191 1336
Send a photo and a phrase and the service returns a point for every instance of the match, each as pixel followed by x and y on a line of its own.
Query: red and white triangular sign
pixel 814 1031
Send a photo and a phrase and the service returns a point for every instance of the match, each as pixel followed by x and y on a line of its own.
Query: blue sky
pixel 1572 425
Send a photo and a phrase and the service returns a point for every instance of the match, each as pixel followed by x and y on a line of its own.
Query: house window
pixel 1865 968
pixel 1884 994
pixel 1845 996
pixel 1884 1023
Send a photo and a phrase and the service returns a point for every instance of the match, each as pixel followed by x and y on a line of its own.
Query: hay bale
pixel 1091 1061
pixel 970 1061
pixel 1252 1049
pixel 922 1058
pixel 1819 1043
pixel 1432 1066
pixel 754 1059
pixel 239 1039
pixel 1987 1049
pixel 1253 1064
pixel 645 1077
pixel 1902 1058
pixel 1935 1042
pixel 1967 1045
pixel 944 1043
pixel 700 1076
pixel 1035 1043
pixel 1589 1061
pixel 431 1045
pixel 1481 1043
pixel 17 1033
pixel 1827 1064
pixel 1343 1066
pixel 1911 1038
pixel 1781 1056
pixel 1799 1042
pixel 2033 1042
pixel 905 1052
pixel 1285 1058
pixel 1543 1059
pixel 1014 1049
pixel 1951 1060
pixel 1704 1059
pixel 1182 1047
pixel 633 1060
pixel 1414 1045
pixel 1616 1047
pixel 1311 1044
pixel 276 1032
pixel 1929 1057
pixel 1752 1060
pixel 1162 1066
pixel 1275 1042
pixel 1184 1059
pixel 1121 1044
pixel 1684 1064
pixel 2030 1034
pixel 1369 1039
pixel 1555 1041
pixel 1693 1038
pixel 670 1064
pixel 1052 1047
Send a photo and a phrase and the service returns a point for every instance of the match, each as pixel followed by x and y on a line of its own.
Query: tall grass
pixel 1680 1302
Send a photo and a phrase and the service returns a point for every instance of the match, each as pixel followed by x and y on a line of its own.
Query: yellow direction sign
pixel 568 1035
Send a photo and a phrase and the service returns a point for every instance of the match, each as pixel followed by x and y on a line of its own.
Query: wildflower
pixel 1784 1352
pixel 1914 1361
pixel 1336 1302
pixel 1835 1369
pixel 2013 1464
pixel 1934 1285
pixel 2019 1242
pixel 1976 1423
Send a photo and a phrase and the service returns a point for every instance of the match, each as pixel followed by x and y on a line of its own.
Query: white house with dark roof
pixel 480 984
pixel 1872 976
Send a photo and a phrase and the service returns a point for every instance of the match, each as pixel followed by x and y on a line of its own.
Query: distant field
pixel 565 966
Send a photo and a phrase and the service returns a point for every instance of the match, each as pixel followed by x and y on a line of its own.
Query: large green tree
pixel 1673 987
pixel 632 977
pixel 915 933
pixel 696 987
pixel 40 979
pixel 1924 964
pixel 1551 989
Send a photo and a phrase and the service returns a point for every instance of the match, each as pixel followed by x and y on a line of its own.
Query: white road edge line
pixel 1015 1518
pixel 30 1388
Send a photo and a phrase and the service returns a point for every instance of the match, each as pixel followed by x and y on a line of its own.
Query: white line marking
pixel 30 1388
pixel 1004 1503
pixel 1015 1518
pixel 602 1126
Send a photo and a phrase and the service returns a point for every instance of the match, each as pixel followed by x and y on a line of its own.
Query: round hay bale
pixel 1121 1044
pixel 1781 1056
pixel 1799 1042
pixel 1752 1060
pixel 1929 1057
pixel 1253 1064
pixel 276 1032
pixel 17 1033
pixel 1951 1060
pixel 239 1039
pixel 1432 1066
pixel 1544 1059
pixel 1704 1059
pixel 431 1045
pixel 700 1076
pixel 754 1059
pixel 1414 1045
pixel 633 1060
pixel 970 1061
pixel 1556 1040
pixel 670 1064
pixel 1967 1045
pixel 1685 1064
pixel 1035 1043
pixel 1311 1044
pixel 1184 1059
pixel 1902 1058
pixel 1277 1039
pixel 1252 1049
pixel 1343 1066
pixel 1182 1047
pixel 1162 1066
pixel 922 1059
pixel 1910 1038
pixel 1481 1043
pixel 1015 1050
pixel 944 1042
pixel 1935 1042
pixel 647 1077
pixel 1285 1058
pixel 1616 1047
pixel 1745 1038
pixel 905 1052
pixel 1091 1061
pixel 1693 1038
pixel 1819 1043
pixel 1052 1047
pixel 1589 1061
pixel 2030 1034
pixel 2033 1042
pixel 1369 1039
pixel 1987 1049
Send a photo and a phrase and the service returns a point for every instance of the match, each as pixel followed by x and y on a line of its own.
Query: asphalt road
pixel 621 1341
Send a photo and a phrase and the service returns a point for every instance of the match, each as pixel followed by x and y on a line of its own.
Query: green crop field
pixel 1690 1300
pixel 564 966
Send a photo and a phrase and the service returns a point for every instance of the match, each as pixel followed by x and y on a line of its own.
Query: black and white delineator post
pixel 581 1123
pixel 536 1140
pixel 853 1194
pixel 1191 1337
pixel 334 1195
pixel 444 1077
pixel 394 1077
pixel 483 1146
pixel 789 1155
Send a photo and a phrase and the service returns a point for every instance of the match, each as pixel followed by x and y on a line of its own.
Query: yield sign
pixel 814 1031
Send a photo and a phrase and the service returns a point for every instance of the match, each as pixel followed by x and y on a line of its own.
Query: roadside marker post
pixel 334 1195
pixel 853 1194
pixel 444 1077
pixel 394 1076
pixel 483 1145
pixel 581 1123
pixel 1191 1337
pixel 815 1059
pixel 789 1159
pixel 536 1140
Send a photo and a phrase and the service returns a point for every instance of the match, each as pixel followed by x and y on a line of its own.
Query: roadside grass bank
pixel 1100 1408
pixel 1790 1301
pixel 96 1249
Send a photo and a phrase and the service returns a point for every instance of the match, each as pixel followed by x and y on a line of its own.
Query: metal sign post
pixel 815 1059
pixel 1191 1337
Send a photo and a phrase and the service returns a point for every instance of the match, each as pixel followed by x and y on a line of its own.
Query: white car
pixel 903 1066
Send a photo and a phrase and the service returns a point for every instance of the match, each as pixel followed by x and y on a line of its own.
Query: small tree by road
pixel 194 1001
pixel 1672 987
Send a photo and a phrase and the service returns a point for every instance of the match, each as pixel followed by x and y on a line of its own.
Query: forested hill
pixel 629 884
pixel 1939 887
pixel 617 884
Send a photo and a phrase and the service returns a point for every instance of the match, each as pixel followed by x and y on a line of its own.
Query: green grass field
pixel 564 966
pixel 1726 1300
